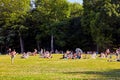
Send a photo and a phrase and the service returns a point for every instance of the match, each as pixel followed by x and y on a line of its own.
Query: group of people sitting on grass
pixel 43 54
pixel 46 54
pixel 73 55
pixel 78 53
pixel 108 54
pixel 26 55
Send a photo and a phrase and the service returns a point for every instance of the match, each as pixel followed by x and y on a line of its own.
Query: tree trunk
pixel 1 49
pixel 21 43
pixel 52 42
pixel 38 46
pixel 97 48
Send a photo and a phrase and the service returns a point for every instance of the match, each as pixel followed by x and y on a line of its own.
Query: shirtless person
pixel 12 54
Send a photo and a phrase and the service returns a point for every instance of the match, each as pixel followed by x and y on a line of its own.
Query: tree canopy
pixel 59 24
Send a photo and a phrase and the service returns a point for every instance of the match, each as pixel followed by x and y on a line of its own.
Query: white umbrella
pixel 78 50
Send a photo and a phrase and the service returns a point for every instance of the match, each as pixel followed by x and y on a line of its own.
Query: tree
pixel 12 12
pixel 98 21
pixel 52 12
pixel 74 35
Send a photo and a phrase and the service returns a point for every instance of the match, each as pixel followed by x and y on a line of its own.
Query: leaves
pixel 99 18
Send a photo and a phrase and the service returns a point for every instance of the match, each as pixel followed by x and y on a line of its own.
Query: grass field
pixel 35 68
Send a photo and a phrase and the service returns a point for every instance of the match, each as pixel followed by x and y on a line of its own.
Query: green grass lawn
pixel 35 68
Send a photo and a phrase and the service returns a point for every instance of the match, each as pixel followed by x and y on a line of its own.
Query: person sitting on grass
pixel 9 51
pixel 47 54
pixel 78 52
pixel 107 52
pixel 102 55
pixel 94 55
pixel 35 52
pixel 25 55
pixel 74 56
pixel 108 55
pixel 12 54
pixel 67 55
pixel 118 54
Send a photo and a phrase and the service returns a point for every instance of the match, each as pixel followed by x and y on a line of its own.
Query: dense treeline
pixel 101 20
pixel 59 24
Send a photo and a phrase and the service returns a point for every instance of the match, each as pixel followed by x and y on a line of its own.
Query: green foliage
pixel 13 12
pixel 10 10
pixel 47 16
pixel 93 24
pixel 50 12
pixel 76 10
pixel 98 20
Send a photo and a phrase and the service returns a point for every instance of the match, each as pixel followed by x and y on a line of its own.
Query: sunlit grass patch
pixel 36 68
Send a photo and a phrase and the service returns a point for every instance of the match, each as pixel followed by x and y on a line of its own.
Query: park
pixel 38 39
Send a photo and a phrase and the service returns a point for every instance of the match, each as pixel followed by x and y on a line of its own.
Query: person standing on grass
pixel 12 54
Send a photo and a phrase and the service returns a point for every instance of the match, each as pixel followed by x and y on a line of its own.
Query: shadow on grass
pixel 111 74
